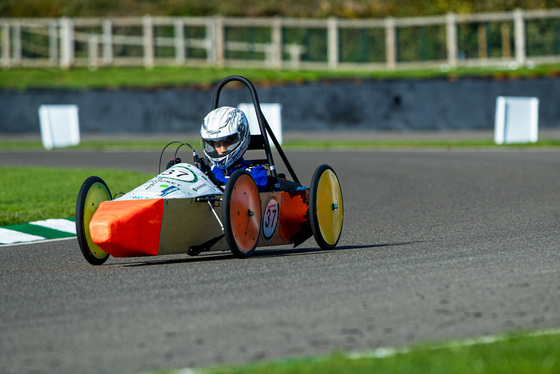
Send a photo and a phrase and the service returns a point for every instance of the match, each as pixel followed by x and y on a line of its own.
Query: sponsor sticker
pixel 169 190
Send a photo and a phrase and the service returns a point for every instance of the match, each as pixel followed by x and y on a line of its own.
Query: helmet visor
pixel 221 147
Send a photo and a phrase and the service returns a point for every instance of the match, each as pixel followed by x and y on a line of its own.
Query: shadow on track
pixel 216 256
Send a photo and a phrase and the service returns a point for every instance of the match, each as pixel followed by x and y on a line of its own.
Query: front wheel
pixel 242 214
pixel 93 192
pixel 326 209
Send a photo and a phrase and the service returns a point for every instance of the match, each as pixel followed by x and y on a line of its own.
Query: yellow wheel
pixel 326 209
pixel 242 214
pixel 92 193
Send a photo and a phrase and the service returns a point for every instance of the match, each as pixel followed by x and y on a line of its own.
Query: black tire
pixel 93 191
pixel 326 208
pixel 242 214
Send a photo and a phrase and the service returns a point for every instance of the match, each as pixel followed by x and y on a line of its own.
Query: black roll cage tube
pixel 263 125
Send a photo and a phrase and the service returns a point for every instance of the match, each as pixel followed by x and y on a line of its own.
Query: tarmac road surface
pixel 436 245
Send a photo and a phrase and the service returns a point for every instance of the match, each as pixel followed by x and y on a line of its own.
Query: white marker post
pixel 59 125
pixel 273 114
pixel 517 120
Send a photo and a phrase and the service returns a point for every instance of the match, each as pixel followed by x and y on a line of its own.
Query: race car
pixel 181 210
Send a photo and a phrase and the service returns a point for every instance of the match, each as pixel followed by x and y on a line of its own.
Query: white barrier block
pixel 517 120
pixel 273 114
pixel 59 125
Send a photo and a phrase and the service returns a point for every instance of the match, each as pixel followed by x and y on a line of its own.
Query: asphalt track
pixel 436 245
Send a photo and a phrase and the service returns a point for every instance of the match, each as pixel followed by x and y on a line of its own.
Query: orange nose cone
pixel 128 228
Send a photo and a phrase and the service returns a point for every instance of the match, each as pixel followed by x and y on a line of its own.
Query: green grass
pixel 158 144
pixel 207 77
pixel 106 144
pixel 381 144
pixel 515 354
pixel 34 193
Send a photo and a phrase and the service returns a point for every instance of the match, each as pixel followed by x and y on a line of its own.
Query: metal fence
pixel 508 39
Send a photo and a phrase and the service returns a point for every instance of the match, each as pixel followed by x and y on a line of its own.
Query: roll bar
pixel 263 125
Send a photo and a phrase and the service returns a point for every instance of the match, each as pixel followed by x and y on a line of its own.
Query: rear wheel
pixel 92 193
pixel 326 209
pixel 242 214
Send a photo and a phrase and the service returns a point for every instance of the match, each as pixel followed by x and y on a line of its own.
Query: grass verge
pixel 374 144
pixel 207 77
pixel 513 354
pixel 289 144
pixel 108 144
pixel 34 193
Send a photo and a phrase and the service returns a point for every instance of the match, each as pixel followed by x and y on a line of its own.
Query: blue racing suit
pixel 259 173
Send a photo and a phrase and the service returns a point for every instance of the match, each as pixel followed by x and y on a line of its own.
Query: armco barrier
pixel 433 104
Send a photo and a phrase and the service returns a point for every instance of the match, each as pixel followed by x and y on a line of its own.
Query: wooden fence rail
pixel 509 39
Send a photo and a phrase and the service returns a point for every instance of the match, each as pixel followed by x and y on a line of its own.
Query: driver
pixel 225 138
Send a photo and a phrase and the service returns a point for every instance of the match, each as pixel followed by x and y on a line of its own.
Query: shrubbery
pixel 261 8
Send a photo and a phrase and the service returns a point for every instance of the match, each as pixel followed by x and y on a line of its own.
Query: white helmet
pixel 225 136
